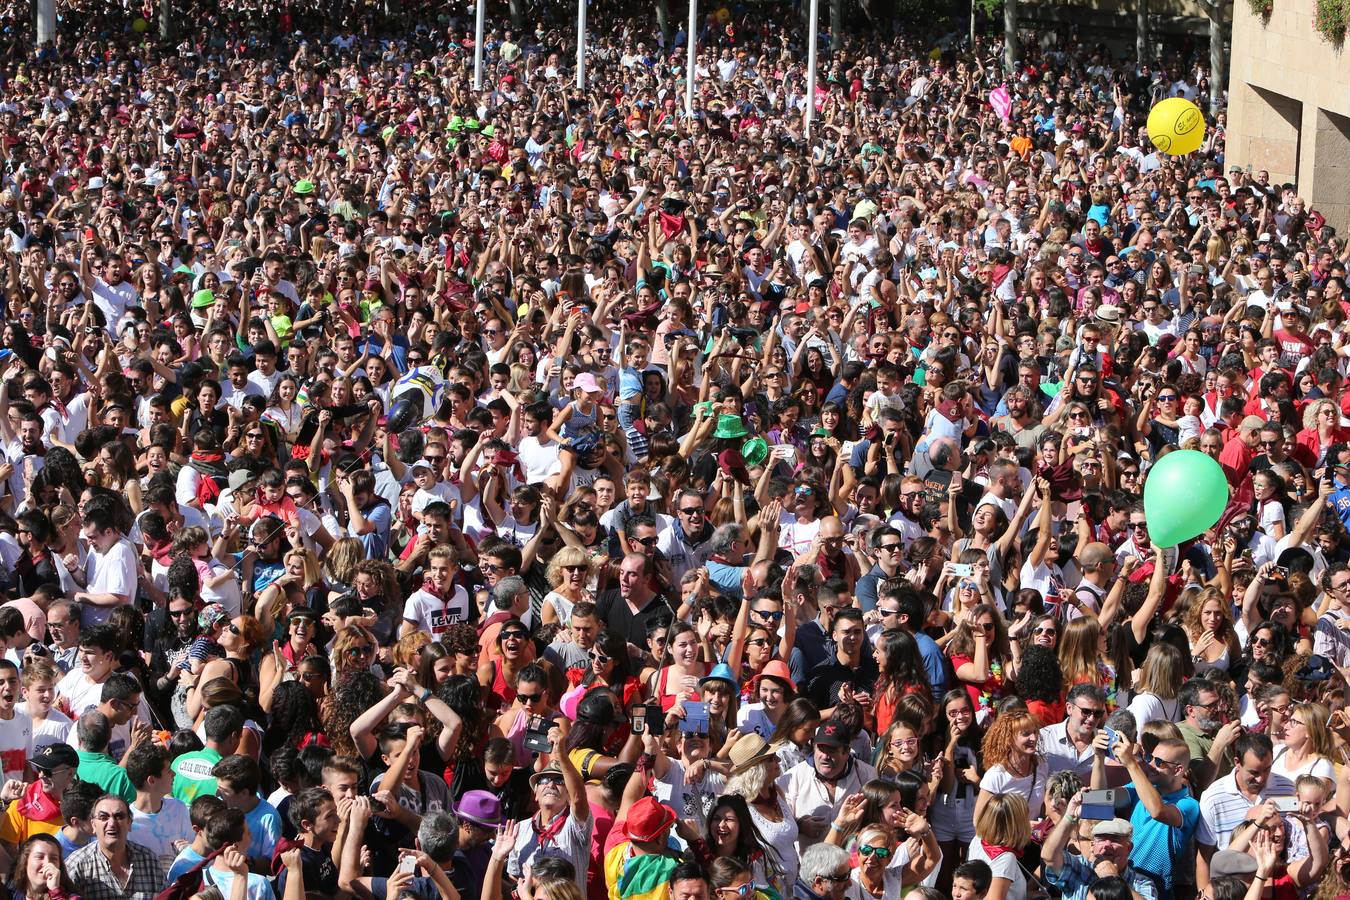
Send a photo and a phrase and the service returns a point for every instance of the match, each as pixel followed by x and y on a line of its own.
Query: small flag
pixel 1001 101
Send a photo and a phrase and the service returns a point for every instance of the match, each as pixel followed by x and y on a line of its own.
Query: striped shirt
pixel 1223 807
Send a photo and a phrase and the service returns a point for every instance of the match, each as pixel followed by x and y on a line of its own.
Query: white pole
pixel 690 39
pixel 811 65
pixel 581 45
pixel 478 46
pixel 46 21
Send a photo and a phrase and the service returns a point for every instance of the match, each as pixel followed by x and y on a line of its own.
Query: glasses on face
pixel 986 627
pixel 1051 632
pixel 362 650
pixel 489 568
pixel 902 743
pixel 1282 710
pixel 1158 762
pixel 233 629
pixel 302 622
pixel 692 510
pixel 1078 415
pixel 836 878
pixel 1139 526
pixel 1166 398
pixel 887 613
pixel 1089 712
pixel 597 656
pixel 768 614
pixel 647 541
pixel 890 548
pixel 757 642
pixel 514 636
pixel 878 852
pixel 530 698
pixel 555 780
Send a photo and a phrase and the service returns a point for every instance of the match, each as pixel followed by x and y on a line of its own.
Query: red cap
pixel 648 820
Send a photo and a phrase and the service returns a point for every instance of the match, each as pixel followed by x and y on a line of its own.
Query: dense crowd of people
pixel 418 492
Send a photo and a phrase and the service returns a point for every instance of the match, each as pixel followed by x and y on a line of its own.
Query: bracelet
pixel 1259 877
pixel 426 695
pixel 835 826
pixel 646 761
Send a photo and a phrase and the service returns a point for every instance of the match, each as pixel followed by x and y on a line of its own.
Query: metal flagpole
pixel 581 44
pixel 811 66
pixel 691 39
pixel 478 46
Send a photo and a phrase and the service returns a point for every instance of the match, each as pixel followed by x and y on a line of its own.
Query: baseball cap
pixel 1117 828
pixel 53 756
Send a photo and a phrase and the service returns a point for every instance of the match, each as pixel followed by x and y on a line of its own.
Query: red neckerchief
pixel 36 805
pixel 994 851
pixel 204 456
pixel 549 833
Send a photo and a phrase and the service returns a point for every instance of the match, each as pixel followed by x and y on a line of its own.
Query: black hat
pixel 53 756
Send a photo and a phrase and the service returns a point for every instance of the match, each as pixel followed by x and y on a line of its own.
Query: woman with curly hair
pixel 354 696
pixel 293 720
pixel 1209 626
pixel 1041 684
pixel 461 643
pixel 1013 764
pixel 902 672
pixel 570 574
pixel 376 585
pixel 980 655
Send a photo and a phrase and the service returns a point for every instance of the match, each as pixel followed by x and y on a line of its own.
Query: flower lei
pixel 995 686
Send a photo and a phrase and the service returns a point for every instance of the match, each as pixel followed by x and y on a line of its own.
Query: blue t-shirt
pixel 727 578
pixel 377 542
pixel 1157 844
pixel 186 859
pixel 264 824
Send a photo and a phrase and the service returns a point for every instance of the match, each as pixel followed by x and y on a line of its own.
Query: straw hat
pixel 749 751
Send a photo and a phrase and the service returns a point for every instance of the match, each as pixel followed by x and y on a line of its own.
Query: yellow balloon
pixel 139 25
pixel 1176 126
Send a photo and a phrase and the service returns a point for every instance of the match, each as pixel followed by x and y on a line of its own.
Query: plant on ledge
pixel 1331 19
pixel 1261 8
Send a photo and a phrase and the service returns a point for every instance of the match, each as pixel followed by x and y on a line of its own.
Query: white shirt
pixel 1006 866
pixel 433 615
pixel 573 841
pixel 158 831
pixel 113 300
pixel 51 730
pixel 807 795
pixel 999 780
pixel 1223 808
pixel 110 573
pixel 16 743
pixel 539 460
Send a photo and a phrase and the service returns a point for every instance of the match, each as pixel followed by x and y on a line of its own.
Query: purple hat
pixel 480 808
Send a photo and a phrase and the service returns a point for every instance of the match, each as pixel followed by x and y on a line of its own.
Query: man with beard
pixel 25 452
pixel 1206 736
pixel 1025 428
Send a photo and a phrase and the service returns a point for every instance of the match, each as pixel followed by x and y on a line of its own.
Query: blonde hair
pixel 558 889
pixel 880 836
pixel 749 783
pixel 342 558
pixel 1206 595
pixel 1079 651
pixel 1162 671
pixel 309 563
pixel 1005 821
pixel 1314 717
pixel 568 556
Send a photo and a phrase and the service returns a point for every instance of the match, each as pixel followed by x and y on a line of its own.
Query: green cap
pixel 471 124
pixel 755 451
pixel 729 426
pixel 203 299
pixel 304 187
pixel 456 123
pixel 387 132
pixel 452 143
pixel 181 269
pixel 489 130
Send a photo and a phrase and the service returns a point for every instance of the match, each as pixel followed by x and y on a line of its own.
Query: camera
pixel 743 335
pixel 536 735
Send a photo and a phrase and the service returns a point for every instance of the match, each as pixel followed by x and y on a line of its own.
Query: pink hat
pixel 586 382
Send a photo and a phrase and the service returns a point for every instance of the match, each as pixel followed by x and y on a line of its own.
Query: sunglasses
pixel 302 622
pixel 514 635
pixel 878 852
pixel 601 658
pixel 173 613
pixel 233 629
pixel 757 642
pixel 530 698
pixel 1050 631
pixel 363 650
pixel 647 541
pixel 768 614
pixel 555 780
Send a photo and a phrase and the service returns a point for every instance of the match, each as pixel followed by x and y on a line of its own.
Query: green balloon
pixel 1185 493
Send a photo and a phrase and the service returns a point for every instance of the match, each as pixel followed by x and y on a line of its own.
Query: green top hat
pixel 729 426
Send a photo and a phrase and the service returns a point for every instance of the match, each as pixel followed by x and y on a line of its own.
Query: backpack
pixel 190 882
